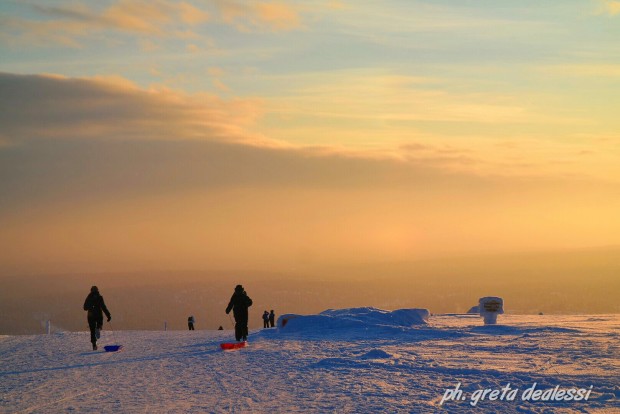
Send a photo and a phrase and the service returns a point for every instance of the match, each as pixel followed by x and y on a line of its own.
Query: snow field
pixel 380 366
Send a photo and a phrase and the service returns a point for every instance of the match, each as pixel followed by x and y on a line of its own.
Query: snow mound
pixel 366 318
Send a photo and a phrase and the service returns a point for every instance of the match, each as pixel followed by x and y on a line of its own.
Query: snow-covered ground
pixel 389 362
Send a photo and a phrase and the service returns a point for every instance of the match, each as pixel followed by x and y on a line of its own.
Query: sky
pixel 156 134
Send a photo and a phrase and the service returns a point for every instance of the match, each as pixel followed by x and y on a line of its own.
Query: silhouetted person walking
pixel 265 319
pixel 95 306
pixel 239 304
pixel 272 319
pixel 190 323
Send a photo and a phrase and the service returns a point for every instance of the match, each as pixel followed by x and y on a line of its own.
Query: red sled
pixel 227 346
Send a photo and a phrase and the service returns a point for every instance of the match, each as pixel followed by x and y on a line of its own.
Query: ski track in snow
pixel 371 370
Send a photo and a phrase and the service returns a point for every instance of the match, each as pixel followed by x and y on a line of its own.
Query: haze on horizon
pixel 278 136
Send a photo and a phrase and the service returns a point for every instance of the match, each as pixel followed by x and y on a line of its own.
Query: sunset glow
pixel 188 135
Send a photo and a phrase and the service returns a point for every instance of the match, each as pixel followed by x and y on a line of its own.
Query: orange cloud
pixel 259 16
pixel 19 32
pixel 133 15
pixel 66 25
pixel 279 16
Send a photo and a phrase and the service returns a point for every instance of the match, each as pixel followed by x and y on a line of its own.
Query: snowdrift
pixel 366 318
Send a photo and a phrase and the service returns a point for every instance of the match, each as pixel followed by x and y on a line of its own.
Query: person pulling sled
pixel 239 304
pixel 95 306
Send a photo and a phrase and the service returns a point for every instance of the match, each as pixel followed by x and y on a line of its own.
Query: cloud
pixel 273 16
pixel 278 16
pixel 52 107
pixel 141 16
pixel 108 108
pixel 100 119
pixel 39 111
pixel 46 106
pixel 16 31
pixel 363 95
pixel 71 24
pixel 110 121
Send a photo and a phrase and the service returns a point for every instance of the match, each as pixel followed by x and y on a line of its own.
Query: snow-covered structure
pixel 490 307
pixel 353 318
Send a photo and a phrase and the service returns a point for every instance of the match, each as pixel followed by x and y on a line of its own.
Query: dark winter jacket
pixel 95 306
pixel 239 304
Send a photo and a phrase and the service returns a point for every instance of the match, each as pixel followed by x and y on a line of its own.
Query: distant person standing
pixel 239 304
pixel 272 319
pixel 95 306
pixel 265 319
pixel 190 323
